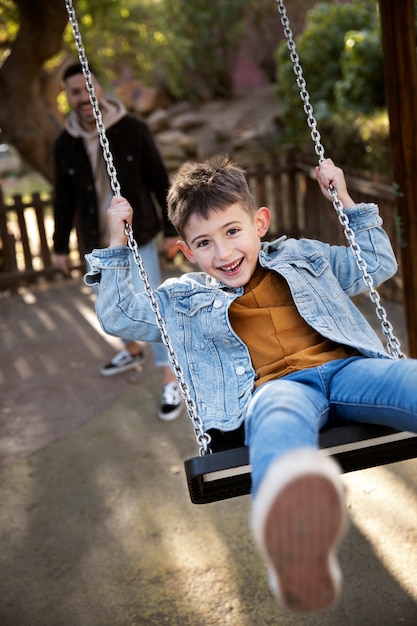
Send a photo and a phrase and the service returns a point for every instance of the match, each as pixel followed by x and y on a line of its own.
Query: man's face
pixel 79 99
pixel 227 244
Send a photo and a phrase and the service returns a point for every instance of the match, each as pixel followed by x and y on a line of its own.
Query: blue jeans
pixel 149 255
pixel 288 413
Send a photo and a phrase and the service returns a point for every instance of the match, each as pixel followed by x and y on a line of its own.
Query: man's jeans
pixel 289 412
pixel 149 256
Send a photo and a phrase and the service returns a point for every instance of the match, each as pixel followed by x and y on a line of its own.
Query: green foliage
pixel 9 23
pixel 118 36
pixel 361 87
pixel 188 47
pixel 200 45
pixel 358 141
pixel 331 64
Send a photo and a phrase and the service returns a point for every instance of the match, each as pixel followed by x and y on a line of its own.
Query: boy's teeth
pixel 230 268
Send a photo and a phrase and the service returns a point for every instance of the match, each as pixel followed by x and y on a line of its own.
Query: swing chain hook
pixel 203 439
pixel 393 345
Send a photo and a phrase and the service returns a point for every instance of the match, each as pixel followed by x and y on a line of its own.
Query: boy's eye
pixel 233 231
pixel 203 243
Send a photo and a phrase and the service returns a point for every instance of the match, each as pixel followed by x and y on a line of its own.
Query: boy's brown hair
pixel 213 185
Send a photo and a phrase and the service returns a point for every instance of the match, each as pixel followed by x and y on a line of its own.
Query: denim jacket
pixel 215 362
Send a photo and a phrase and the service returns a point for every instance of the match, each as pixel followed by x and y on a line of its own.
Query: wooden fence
pixel 289 190
pixel 26 231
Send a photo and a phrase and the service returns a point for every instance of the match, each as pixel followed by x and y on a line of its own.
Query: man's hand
pixel 64 263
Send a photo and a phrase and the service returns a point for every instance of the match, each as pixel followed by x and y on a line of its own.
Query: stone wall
pixel 245 125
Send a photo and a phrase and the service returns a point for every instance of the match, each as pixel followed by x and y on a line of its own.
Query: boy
pixel 268 337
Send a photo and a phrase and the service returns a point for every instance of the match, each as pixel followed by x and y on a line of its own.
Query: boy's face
pixel 227 244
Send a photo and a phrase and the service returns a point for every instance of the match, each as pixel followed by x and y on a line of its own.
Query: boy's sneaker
pixel 171 404
pixel 122 362
pixel 298 520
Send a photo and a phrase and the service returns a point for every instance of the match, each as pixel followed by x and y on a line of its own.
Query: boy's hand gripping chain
pixel 203 439
pixel 393 344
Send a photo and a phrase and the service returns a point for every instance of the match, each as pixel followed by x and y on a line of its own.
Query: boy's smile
pixel 227 244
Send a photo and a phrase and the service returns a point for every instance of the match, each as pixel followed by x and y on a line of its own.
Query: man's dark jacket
pixel 140 172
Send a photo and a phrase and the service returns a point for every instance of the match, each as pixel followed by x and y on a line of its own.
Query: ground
pixel 96 525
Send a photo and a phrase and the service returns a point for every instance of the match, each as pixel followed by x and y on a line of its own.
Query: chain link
pixel 203 439
pixel 393 345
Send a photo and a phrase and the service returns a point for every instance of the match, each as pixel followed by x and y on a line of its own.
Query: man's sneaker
pixel 298 520
pixel 122 362
pixel 171 404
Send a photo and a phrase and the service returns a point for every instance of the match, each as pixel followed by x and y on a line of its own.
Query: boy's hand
pixel 328 174
pixel 118 214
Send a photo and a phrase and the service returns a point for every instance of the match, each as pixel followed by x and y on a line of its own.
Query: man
pixel 83 192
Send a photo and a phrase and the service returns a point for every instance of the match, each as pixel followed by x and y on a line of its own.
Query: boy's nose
pixel 223 252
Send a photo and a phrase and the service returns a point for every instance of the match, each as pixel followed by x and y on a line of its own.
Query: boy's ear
pixel 187 252
pixel 262 220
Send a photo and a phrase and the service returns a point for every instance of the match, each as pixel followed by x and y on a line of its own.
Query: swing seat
pixel 227 474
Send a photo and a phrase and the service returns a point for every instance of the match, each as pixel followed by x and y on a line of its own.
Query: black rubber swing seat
pixel 227 474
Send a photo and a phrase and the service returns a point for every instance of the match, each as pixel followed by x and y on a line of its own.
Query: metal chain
pixel 393 344
pixel 203 439
pixel 111 170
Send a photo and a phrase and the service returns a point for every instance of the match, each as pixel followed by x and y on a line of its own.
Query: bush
pixel 358 142
pixel 201 45
pixel 341 59
pixel 361 87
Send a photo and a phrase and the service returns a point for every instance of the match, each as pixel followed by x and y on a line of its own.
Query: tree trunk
pixel 400 64
pixel 28 120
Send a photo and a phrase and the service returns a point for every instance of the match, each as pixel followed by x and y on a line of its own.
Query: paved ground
pixel 96 527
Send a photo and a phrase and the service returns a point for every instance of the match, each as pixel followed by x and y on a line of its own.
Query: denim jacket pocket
pixel 315 264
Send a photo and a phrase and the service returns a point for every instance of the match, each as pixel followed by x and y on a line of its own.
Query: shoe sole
pixel 302 529
pixel 169 417
pixel 298 520
pixel 122 368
